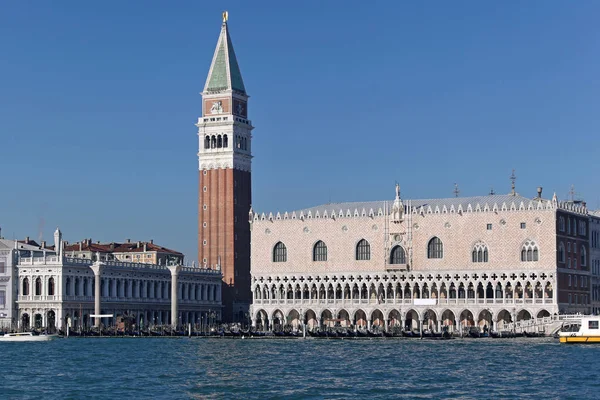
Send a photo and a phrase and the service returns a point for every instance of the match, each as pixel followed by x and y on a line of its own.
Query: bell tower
pixel 225 191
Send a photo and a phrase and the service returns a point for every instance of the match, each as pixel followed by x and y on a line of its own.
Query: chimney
pixel 128 240
pixel 539 192
pixel 138 244
pixel 151 241
pixel 80 246
pixel 145 248
pixel 27 239
pixel 43 244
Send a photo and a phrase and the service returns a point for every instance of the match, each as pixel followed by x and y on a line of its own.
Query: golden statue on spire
pixel 225 16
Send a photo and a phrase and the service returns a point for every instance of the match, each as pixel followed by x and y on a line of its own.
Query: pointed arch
pixel 529 251
pixel 480 253
pixel 398 255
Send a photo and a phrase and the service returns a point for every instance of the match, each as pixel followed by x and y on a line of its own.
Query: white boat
pixel 26 337
pixel 588 331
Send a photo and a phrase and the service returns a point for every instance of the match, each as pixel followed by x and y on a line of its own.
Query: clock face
pixel 239 108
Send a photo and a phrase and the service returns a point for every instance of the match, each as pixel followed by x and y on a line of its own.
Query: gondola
pixel 409 334
pixel 374 333
pixel 361 333
pixel 534 334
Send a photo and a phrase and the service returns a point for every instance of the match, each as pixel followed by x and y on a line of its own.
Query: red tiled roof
pixel 114 247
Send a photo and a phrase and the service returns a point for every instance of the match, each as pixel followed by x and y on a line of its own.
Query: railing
pixel 410 301
pixel 86 262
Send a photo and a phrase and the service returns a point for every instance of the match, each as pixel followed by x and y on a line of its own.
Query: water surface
pixel 166 368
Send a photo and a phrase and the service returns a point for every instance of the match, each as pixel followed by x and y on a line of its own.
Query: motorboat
pixel 586 332
pixel 26 337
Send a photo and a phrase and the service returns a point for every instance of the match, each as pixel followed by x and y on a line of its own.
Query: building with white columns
pixel 56 291
pixel 464 261
pixel 10 251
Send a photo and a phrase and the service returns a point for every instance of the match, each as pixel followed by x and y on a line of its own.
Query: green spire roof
pixel 224 73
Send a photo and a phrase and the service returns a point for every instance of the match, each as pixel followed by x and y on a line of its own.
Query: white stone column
pixel 174 274
pixel 97 268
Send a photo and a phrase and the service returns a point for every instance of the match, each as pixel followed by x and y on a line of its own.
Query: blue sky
pixel 98 104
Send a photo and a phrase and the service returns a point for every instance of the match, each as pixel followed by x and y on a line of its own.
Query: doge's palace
pixel 456 262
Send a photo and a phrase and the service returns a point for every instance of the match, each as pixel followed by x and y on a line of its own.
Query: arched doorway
pixel 261 321
pixel 503 320
pixel 37 321
pixel 485 321
pixel 523 315
pixel 395 320
pixel 278 321
pixel 466 319
pixel 51 317
pixel 412 321
pixel 360 318
pixel 343 318
pixel 310 319
pixel 543 314
pixel 377 319
pixel 449 319
pixel 294 319
pixel 25 322
pixel 430 320
pixel 326 319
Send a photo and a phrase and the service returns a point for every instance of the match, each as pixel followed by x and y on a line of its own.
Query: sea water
pixel 177 368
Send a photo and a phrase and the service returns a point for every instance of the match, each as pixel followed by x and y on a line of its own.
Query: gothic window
pixel 435 248
pixel 219 142
pixel 25 287
pixel 51 287
pixel 529 251
pixel 213 142
pixel 320 251
pixel 38 286
pixel 279 252
pixel 561 252
pixel 561 224
pixel 207 142
pixel 480 253
pixel 569 225
pixel 225 141
pixel 363 250
pixel 398 256
pixel 583 257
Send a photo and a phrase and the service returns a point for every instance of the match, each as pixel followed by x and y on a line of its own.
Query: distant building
pixel 135 252
pixel 224 164
pixel 60 290
pixel 463 261
pixel 10 251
